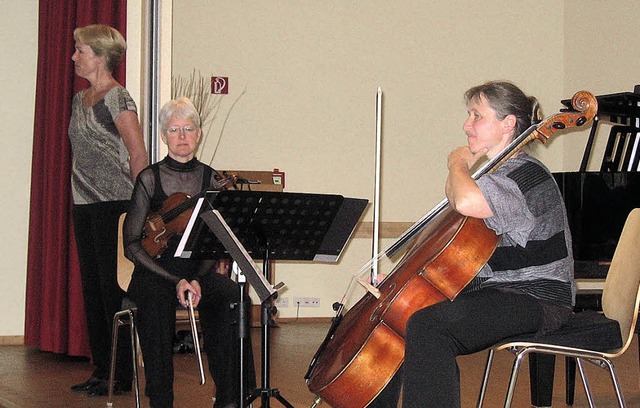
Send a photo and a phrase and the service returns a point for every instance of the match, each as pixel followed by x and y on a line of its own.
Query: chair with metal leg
pixel 590 336
pixel 126 318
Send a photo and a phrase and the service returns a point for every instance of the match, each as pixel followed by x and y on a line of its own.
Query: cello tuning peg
pixel 581 121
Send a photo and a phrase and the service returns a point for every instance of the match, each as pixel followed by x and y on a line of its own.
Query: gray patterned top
pixel 100 169
pixel 534 254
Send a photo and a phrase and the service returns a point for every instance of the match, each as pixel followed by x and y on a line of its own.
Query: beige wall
pixel 311 69
pixel 309 72
pixel 18 47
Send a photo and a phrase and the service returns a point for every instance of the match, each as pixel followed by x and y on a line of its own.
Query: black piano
pixel 598 202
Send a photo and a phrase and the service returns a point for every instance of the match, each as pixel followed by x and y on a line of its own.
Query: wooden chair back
pixel 621 292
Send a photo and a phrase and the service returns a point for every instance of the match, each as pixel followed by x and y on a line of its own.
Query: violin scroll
pixel 585 107
pixel 226 182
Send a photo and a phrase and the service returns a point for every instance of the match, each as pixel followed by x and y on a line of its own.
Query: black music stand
pixel 225 243
pixel 275 226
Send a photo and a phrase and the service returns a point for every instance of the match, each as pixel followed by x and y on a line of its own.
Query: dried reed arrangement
pixel 198 89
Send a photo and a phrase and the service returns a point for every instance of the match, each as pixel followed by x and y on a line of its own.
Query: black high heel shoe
pixel 87 385
pixel 102 389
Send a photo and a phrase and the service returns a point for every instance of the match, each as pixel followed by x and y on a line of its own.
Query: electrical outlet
pixel 306 302
pixel 282 302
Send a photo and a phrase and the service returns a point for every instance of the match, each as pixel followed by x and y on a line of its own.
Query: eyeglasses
pixel 174 130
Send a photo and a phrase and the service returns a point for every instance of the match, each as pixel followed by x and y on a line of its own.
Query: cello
pixel 364 346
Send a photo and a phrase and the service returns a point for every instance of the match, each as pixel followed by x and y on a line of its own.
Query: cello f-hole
pixel 156 239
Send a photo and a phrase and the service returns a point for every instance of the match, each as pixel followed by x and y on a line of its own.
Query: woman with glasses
pixel 159 283
pixel 108 153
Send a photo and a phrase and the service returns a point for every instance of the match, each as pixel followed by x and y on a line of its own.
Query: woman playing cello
pixel 526 286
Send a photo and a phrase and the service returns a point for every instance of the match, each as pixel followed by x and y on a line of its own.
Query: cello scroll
pixel 585 107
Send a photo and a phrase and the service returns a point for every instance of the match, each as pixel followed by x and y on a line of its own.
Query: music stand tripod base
pixel 266 392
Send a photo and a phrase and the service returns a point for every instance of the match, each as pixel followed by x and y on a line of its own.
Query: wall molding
pixel 11 340
pixel 387 229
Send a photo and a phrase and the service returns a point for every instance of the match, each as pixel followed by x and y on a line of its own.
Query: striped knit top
pixel 534 252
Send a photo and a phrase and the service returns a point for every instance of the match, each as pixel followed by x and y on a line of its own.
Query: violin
pixel 173 216
pixel 364 347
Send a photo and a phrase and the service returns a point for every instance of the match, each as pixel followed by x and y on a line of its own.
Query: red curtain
pixel 54 307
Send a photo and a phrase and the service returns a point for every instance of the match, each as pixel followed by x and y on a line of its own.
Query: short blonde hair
pixel 181 107
pixel 104 41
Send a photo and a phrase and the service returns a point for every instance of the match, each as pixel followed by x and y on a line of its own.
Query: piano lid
pixel 597 206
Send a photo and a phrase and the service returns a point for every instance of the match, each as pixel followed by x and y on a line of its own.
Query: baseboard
pixel 11 340
pixel 303 319
pixel 19 340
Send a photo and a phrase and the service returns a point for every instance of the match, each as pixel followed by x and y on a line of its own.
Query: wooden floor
pixel 30 378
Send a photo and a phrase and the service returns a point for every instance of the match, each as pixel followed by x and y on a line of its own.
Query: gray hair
pixel 181 107
pixel 104 41
pixel 507 99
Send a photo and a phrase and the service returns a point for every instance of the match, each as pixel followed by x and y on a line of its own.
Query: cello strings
pixel 413 232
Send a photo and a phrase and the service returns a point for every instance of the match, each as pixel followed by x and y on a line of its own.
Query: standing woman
pixel 158 284
pixel 108 153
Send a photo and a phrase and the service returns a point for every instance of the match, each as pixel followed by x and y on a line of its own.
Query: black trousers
pixel 96 235
pixel 438 334
pixel 155 298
